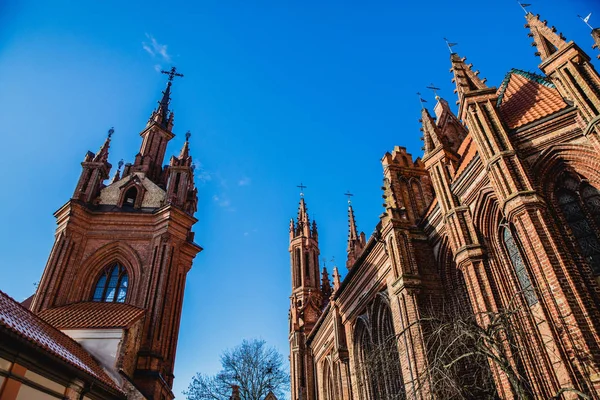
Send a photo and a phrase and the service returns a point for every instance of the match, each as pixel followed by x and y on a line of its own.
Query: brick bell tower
pixel 124 248
pixel 306 300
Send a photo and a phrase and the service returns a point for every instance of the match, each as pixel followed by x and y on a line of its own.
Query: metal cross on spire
pixel 110 132
pixel 450 45
pixel 348 195
pixel 434 90
pixel 302 187
pixel 421 100
pixel 187 136
pixel 172 73
pixel 524 6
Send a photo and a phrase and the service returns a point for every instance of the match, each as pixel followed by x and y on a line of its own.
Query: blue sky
pixel 274 93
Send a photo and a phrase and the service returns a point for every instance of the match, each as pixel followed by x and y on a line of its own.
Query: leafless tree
pixel 253 366
pixel 461 348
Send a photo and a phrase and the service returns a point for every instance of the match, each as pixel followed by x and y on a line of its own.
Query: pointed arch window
pixel 130 197
pixel 579 203
pixel 376 353
pixel 328 388
pixel 514 254
pixel 112 285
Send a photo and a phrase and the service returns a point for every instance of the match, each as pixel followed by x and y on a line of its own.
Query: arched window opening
pixel 328 389
pixel 579 203
pixel 130 196
pixel 418 196
pixel 112 285
pixel 512 249
pixel 376 352
pixel 363 347
pixel 386 341
pixel 297 267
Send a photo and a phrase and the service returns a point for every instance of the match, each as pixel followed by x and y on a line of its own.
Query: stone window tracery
pixel 112 285
pixel 376 352
pixel 579 203
pixel 514 254
pixel 328 389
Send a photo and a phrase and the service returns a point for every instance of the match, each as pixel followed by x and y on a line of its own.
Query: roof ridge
pixel 541 79
pixel 532 76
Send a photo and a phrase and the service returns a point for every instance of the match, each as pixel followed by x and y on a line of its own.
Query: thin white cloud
pixel 202 174
pixel 156 49
pixel 245 181
pixel 221 201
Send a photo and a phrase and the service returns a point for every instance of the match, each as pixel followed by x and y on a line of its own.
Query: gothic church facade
pixel 500 220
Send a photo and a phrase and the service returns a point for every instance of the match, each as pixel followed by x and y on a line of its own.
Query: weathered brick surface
pixel 150 237
pixel 440 237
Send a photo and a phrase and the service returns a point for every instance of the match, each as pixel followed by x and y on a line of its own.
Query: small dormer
pixel 132 194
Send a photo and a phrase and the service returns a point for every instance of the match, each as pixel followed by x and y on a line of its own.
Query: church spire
pixel 431 134
pixel 162 115
pixel 467 81
pixel 465 78
pixel 102 154
pixel 545 39
pixel 95 170
pixel 356 242
pixel 156 135
pixel 185 150
pixel 325 285
pixel 303 226
pixel 336 279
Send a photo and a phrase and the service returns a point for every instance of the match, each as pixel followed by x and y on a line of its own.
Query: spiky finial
pixel 102 154
pixel 336 279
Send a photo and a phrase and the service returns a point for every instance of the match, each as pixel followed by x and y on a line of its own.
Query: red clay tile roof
pixel 89 315
pixel 525 97
pixel 467 152
pixel 23 323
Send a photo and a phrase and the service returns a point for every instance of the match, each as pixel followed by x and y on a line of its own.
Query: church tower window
pixel 519 266
pixel 112 285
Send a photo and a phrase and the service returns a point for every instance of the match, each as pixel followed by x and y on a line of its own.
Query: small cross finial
pixel 524 6
pixel 333 260
pixel 121 162
pixel 172 73
pixel 302 187
pixel 324 262
pixel 421 100
pixel 187 136
pixel 348 195
pixel 434 90
pixel 450 45
pixel 586 20
pixel 110 132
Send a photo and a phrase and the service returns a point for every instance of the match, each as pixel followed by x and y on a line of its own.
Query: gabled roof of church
pixel 17 320
pixel 89 315
pixel 525 97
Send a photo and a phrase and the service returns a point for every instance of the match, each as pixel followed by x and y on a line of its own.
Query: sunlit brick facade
pixel 502 212
pixel 115 277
